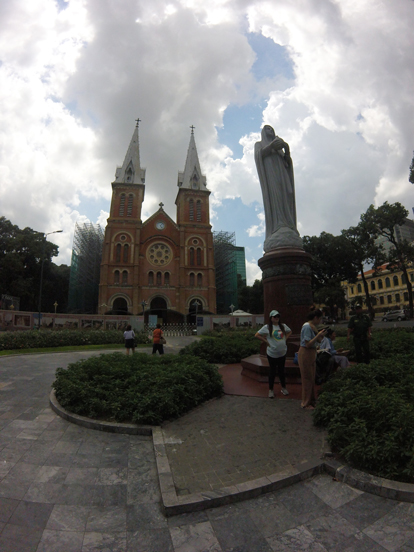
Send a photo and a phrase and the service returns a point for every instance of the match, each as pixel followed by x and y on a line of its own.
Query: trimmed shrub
pixel 35 339
pixel 227 348
pixel 139 388
pixel 368 411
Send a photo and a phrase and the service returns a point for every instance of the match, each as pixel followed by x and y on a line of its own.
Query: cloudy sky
pixel 335 78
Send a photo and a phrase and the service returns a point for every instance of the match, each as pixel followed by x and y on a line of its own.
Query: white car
pixel 394 315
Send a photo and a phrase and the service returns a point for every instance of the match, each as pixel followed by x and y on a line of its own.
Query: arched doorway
pixel 120 306
pixel 158 307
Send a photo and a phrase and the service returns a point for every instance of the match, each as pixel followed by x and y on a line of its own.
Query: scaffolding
pixel 225 260
pixel 85 268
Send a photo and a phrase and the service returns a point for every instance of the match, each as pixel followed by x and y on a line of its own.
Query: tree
pixel 250 298
pixel 365 251
pixel 381 221
pixel 332 262
pixel 21 255
pixel 411 175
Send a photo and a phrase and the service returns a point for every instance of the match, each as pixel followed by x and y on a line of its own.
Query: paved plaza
pixel 66 488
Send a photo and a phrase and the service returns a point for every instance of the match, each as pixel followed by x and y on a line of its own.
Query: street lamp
pixel 39 306
pixel 196 304
pixel 232 309
pixel 144 304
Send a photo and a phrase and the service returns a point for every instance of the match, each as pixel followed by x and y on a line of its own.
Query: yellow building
pixel 386 288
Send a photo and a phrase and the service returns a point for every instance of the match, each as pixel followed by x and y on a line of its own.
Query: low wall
pixel 20 320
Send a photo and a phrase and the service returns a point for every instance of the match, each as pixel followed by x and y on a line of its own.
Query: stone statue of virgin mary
pixel 275 170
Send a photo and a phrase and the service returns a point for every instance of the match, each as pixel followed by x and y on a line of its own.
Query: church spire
pixel 192 177
pixel 131 172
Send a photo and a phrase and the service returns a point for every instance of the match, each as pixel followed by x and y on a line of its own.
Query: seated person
pixel 340 355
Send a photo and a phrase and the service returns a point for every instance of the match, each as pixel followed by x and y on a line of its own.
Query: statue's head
pixel 268 132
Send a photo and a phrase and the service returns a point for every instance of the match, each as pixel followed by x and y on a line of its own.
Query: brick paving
pixel 65 488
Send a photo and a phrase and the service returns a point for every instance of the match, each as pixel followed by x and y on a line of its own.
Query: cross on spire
pixel 137 121
pixel 192 129
pixel 161 204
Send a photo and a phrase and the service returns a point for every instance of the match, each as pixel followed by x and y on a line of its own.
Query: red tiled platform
pixel 237 384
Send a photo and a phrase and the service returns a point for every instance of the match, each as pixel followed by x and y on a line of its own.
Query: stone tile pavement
pixel 66 488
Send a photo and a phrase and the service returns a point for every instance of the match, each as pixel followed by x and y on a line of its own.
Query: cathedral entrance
pixel 158 306
pixel 120 306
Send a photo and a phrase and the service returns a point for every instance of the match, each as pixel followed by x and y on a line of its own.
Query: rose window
pixel 159 254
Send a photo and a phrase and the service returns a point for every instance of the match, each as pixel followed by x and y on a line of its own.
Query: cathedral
pixel 159 266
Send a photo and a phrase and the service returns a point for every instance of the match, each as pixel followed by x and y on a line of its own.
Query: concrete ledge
pixel 174 505
pixel 111 427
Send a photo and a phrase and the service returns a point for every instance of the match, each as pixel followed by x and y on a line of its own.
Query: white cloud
pixel 73 81
pixel 253 272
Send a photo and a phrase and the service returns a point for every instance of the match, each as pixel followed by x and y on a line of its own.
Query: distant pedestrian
pixel 158 340
pixel 309 339
pixel 360 326
pixel 275 334
pixel 129 337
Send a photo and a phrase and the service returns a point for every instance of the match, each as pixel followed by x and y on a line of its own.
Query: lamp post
pixel 55 304
pixel 232 309
pixel 144 304
pixel 39 306
pixel 196 304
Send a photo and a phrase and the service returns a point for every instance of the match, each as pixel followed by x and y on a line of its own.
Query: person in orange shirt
pixel 157 340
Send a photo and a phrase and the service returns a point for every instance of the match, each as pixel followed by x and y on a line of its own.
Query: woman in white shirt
pixel 129 337
pixel 275 334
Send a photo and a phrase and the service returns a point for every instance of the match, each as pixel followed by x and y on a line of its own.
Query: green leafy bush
pixel 227 347
pixel 35 339
pixel 368 411
pixel 385 342
pixel 140 388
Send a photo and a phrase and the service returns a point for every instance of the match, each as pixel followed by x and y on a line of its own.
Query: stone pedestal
pixel 287 288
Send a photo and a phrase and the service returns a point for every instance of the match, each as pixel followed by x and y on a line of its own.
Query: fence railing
pixel 171 330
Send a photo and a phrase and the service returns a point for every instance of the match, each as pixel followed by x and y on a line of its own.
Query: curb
pixel 173 505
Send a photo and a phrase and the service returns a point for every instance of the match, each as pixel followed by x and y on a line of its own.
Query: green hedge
pixel 368 410
pixel 37 339
pixel 139 388
pixel 385 342
pixel 226 348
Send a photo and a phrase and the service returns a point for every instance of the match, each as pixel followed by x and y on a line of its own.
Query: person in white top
pixel 129 337
pixel 275 334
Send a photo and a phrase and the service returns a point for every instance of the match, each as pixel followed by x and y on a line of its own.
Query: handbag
pixel 162 341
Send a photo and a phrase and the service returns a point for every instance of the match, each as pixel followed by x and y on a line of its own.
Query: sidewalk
pixel 65 488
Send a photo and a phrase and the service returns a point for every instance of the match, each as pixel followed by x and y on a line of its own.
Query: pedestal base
pixel 287 285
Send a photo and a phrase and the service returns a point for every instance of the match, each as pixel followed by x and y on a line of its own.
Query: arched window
pixel 387 283
pixel 403 280
pixel 389 299
pixel 198 256
pixel 192 256
pixel 381 300
pixel 126 251
pixel 130 202
pixel 118 253
pixel 359 288
pixel 405 295
pixel 352 290
pixel 191 279
pixel 380 286
pixel 150 278
pixel 395 281
pixel 199 280
pixel 191 203
pixel 397 298
pixel 159 278
pixel 167 278
pixel 372 285
pixel 198 205
pixel 125 277
pixel 122 205
pixel 116 277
